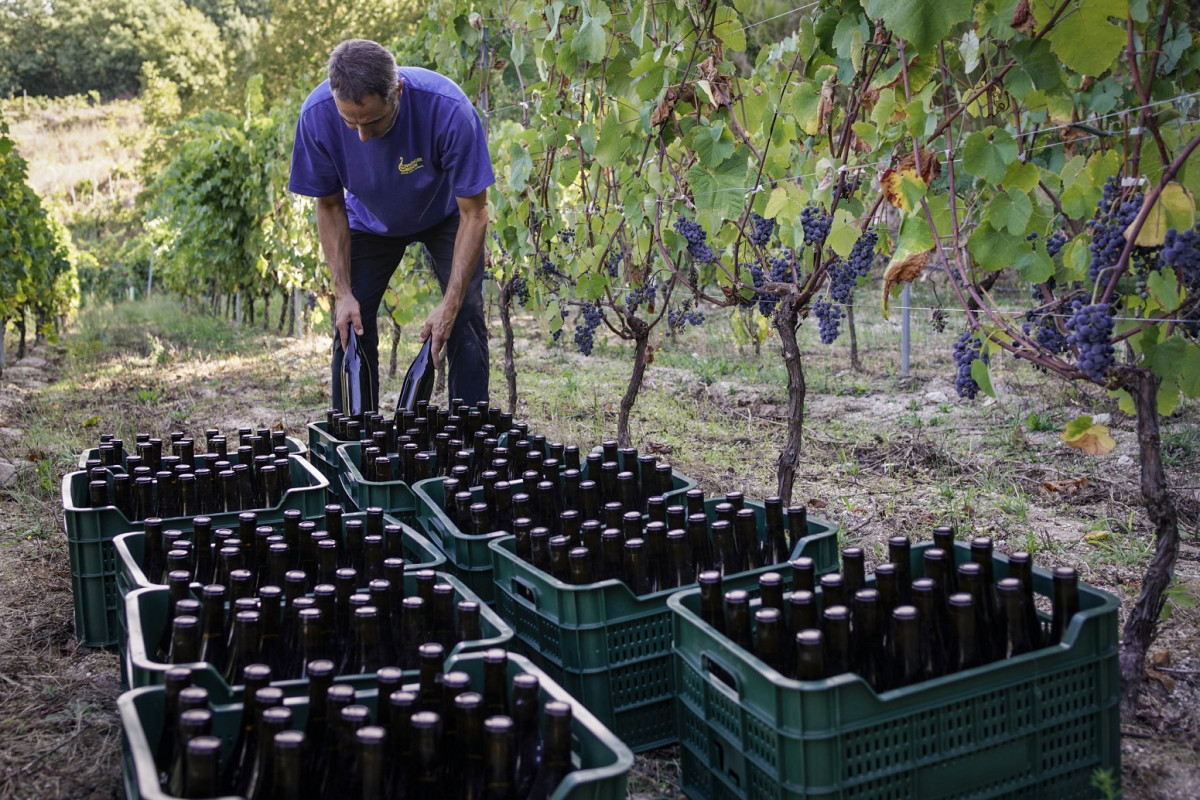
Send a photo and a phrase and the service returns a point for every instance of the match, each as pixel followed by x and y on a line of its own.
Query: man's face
pixel 373 117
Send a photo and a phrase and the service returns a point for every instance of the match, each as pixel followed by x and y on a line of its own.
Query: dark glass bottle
pixel 259 782
pixel 203 767
pixel 712 610
pixel 981 554
pixel 965 652
pixel 178 588
pixel 836 628
pixel 702 550
pixel 900 554
pixel 370 747
pixel 1065 602
pixel 175 680
pixel 854 569
pixel 870 646
pixel 240 767
pixel 737 618
pixel 774 545
pixel 770 590
pixel 768 638
pixel 1020 566
pixel 907 667
pixel 467 764
pixel 943 539
pixel 425 775
pixel 680 569
pixel 725 548
pixel 802 612
pixel 745 525
pixel 1012 599
pixel 934 622
pixel 939 567
pixel 185 640
pixel 636 570
pixel 244 644
pixel 193 722
pixel 556 750
pixel 833 590
pixel 495 682
pixel 525 688
pixel 804 574
pixel 290 776
pixel 797 520
pixel 499 746
pixel 213 638
pixel 809 658
pixel 970 580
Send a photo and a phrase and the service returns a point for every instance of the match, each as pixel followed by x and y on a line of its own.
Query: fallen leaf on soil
pixel 1094 440
pixel 661 447
pixel 1018 434
pixel 1095 537
pixel 1163 678
pixel 816 502
pixel 1067 487
pixel 1160 658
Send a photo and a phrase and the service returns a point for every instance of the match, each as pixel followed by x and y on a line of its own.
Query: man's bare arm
pixel 468 244
pixel 333 228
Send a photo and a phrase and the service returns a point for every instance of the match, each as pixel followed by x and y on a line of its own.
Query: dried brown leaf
pixel 1022 18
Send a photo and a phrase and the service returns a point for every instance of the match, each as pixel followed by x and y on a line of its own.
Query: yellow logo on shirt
pixel 412 166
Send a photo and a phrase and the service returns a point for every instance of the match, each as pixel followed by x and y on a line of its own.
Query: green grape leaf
pixel 1167 398
pixel 988 153
pixel 1033 265
pixel 843 233
pixel 713 143
pixel 923 23
pixel 1167 358
pixel 1022 176
pixel 1164 288
pixel 1085 40
pixel 806 103
pixel 1124 401
pixel 611 147
pixel 781 203
pixel 590 42
pixel 1189 372
pixel 1010 210
pixel 982 376
pixel 1175 208
pixel 728 27
pixel 994 250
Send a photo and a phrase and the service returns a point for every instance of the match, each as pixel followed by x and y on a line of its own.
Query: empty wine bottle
pixel 290 779
pixel 906 661
pixel 175 680
pixel 836 629
pixel 1065 602
pixel 737 618
pixel 810 655
pixel 525 689
pixel 965 653
pixel 556 750
pixel 769 638
pixel 1020 566
pixel 203 762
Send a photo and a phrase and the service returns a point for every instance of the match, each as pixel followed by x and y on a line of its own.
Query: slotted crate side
pixel 607 645
pixel 90 532
pixel 1020 725
pixel 294 445
pixel 467 554
pixel 395 497
pixel 602 760
pixel 146 618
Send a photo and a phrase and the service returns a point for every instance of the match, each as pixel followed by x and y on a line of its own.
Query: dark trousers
pixel 373 259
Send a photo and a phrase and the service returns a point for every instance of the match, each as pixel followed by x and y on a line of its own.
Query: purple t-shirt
pixel 407 180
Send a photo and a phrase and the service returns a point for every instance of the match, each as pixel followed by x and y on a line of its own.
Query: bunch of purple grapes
pixel 1090 330
pixel 760 230
pixel 829 317
pixel 862 254
pixel 842 281
pixel 547 270
pixel 766 302
pixel 849 187
pixel 566 236
pixel 1045 332
pixel 1055 242
pixel 697 239
pixel 520 289
pixel 1181 252
pixel 816 224
pixel 614 263
pixel 535 222
pixel 966 351
pixel 642 294
pixel 1108 228
pixel 679 318
pixel 590 317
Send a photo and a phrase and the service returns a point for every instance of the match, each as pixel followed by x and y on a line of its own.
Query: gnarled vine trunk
pixel 784 320
pixel 641 346
pixel 510 363
pixel 1143 617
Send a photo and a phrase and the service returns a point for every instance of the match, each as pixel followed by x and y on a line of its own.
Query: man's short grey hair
pixel 359 67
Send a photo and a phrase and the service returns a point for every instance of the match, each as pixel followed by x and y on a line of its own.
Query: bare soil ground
pixel 884 454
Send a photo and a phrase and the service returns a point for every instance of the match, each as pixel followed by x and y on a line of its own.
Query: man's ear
pixel 400 88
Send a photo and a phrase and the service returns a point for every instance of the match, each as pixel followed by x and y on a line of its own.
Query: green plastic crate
pixel 468 554
pixel 394 497
pixel 601 761
pixel 609 647
pixel 294 445
pixel 130 548
pixel 1034 726
pixel 146 616
pixel 322 452
pixel 90 532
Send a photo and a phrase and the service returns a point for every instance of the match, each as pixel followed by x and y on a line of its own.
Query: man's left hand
pixel 438 324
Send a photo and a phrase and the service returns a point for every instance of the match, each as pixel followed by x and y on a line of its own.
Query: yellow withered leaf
pixel 1082 434
pixel 1175 208
pixel 902 270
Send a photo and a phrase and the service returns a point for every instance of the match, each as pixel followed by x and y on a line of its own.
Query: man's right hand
pixel 347 313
